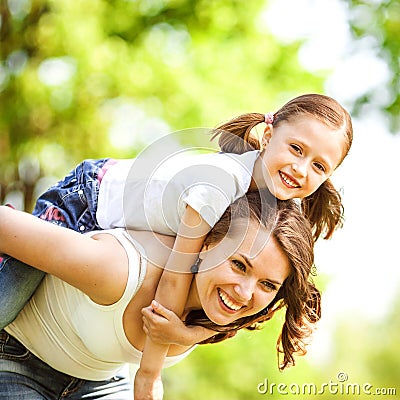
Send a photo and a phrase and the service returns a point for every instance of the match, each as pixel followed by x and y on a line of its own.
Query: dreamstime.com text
pixel 339 386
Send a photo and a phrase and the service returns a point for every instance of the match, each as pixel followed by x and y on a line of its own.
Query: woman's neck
pixel 158 248
pixel 193 301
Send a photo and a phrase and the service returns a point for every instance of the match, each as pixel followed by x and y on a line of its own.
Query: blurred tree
pixel 227 370
pixel 97 78
pixel 380 21
pixel 383 359
pixel 93 78
pixel 367 352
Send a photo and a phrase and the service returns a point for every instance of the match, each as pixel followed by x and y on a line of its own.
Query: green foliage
pixel 228 370
pixel 380 21
pixel 92 78
pixel 71 68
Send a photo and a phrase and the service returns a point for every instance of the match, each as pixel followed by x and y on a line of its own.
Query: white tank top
pixel 64 328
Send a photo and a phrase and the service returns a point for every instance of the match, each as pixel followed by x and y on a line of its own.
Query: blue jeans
pixel 23 376
pixel 71 203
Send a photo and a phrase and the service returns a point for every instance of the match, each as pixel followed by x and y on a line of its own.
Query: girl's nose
pixel 300 168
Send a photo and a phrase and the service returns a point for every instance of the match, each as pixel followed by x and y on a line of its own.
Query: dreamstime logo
pixel 340 386
pixel 167 176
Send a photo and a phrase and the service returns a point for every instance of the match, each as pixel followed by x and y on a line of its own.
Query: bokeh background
pixel 88 79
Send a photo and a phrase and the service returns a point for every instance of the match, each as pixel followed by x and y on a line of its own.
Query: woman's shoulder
pixel 156 248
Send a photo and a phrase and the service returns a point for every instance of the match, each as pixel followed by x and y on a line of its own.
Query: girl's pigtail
pixel 234 135
pixel 324 210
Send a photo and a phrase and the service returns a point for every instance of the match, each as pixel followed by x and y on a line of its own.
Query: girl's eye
pixel 296 148
pixel 319 166
pixel 269 287
pixel 239 265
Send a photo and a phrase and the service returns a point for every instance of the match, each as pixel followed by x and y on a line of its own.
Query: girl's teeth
pixel 288 181
pixel 228 302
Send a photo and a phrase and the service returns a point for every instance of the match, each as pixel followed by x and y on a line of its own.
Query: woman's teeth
pixel 228 302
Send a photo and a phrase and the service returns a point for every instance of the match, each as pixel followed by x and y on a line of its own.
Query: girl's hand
pixel 165 327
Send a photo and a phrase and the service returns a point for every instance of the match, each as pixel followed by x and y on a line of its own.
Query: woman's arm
pixel 96 265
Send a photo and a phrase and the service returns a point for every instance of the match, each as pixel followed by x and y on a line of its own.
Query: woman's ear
pixel 203 251
pixel 194 269
pixel 267 135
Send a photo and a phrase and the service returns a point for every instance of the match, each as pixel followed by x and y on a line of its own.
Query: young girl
pixel 302 144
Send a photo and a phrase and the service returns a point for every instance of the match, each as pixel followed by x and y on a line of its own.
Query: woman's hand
pixel 165 327
pixel 147 387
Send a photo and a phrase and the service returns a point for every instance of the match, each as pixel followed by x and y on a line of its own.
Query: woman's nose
pixel 244 290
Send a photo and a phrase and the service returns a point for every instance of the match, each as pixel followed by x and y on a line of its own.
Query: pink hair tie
pixel 269 118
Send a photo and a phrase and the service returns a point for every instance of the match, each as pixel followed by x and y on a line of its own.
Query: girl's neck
pixel 257 177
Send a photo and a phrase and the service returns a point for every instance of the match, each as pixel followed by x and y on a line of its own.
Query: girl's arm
pixel 173 288
pixel 95 265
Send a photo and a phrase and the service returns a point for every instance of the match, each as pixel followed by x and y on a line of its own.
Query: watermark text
pixel 340 386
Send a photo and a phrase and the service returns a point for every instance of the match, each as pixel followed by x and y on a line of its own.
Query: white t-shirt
pixel 146 195
pixel 64 328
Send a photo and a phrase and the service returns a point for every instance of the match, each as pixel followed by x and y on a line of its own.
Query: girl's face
pixel 300 155
pixel 242 284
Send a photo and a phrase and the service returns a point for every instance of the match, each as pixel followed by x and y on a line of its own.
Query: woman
pixel 84 323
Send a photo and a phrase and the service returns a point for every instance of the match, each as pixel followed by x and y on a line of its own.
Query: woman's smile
pixel 228 303
pixel 243 284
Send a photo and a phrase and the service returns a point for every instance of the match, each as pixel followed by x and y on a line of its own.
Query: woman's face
pixel 243 284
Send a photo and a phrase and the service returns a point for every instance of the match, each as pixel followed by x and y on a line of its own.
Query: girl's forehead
pixel 316 134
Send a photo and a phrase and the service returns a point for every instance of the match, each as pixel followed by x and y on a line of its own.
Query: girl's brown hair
pixel 324 207
pixel 298 294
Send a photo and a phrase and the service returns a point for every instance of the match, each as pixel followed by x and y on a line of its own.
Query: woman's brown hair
pixel 324 207
pixel 298 294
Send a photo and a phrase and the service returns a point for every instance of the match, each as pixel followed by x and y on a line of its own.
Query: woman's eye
pixel 239 265
pixel 269 287
pixel 320 166
pixel 296 148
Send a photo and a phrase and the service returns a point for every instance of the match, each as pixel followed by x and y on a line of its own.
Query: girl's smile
pixel 289 181
pixel 299 156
